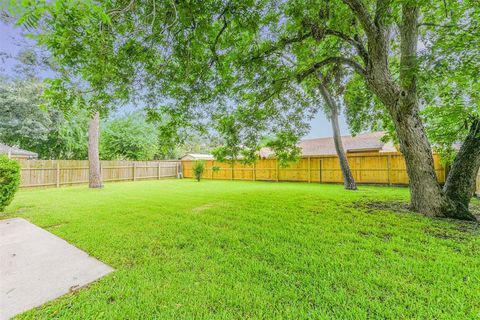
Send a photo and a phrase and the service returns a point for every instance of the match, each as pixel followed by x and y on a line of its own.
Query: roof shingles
pixel 14 151
pixel 325 146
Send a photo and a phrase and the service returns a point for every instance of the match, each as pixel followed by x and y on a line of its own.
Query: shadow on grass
pixel 464 228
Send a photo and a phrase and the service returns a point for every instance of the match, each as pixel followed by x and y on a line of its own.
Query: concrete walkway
pixel 37 266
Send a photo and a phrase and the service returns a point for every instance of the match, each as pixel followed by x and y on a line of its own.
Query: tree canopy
pixel 44 131
pixel 129 137
pixel 255 60
pixel 250 69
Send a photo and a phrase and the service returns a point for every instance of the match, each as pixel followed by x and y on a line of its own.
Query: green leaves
pixel 234 66
pixel 9 180
pixel 128 138
pixel 450 64
pixel 198 169
pixel 28 120
pixel 79 37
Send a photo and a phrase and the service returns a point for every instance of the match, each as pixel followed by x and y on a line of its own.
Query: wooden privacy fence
pixel 376 168
pixel 56 173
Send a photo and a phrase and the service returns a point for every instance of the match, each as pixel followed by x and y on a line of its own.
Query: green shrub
pixel 198 169
pixel 9 180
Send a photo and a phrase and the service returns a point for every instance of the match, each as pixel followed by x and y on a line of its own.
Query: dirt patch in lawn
pixel 375 206
pixel 461 228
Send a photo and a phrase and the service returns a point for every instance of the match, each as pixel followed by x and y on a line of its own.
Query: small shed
pixel 17 153
pixel 197 156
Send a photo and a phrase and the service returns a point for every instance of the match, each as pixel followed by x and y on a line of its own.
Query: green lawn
pixel 237 250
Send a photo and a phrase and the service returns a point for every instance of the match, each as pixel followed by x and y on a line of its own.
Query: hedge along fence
pixel 375 168
pixel 56 173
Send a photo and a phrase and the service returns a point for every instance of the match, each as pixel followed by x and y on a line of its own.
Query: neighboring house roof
pixel 14 151
pixel 325 146
pixel 197 156
pixel 362 142
pixel 365 142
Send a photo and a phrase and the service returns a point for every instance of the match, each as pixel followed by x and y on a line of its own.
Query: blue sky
pixel 320 127
pixel 12 41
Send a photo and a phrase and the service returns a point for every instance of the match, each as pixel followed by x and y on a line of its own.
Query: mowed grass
pixel 257 250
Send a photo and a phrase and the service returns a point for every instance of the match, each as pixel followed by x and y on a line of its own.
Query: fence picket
pixel 44 173
pixel 369 167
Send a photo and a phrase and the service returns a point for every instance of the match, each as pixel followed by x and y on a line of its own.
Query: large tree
pixel 376 39
pixel 22 122
pixel 27 121
pixel 92 73
pixel 442 71
pixel 263 56
pixel 129 137
pixel 47 132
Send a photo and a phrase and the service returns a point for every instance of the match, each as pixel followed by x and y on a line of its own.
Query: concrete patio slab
pixel 37 266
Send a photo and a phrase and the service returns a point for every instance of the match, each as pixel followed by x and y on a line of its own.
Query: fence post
pixel 389 168
pixel 309 170
pixel 158 171
pixel 58 174
pixel 446 171
pixel 255 171
pixel 133 171
pixel 277 169
pixel 321 167
pixel 233 161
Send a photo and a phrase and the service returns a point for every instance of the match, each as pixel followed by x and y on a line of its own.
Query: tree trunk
pixel 460 184
pixel 401 100
pixel 94 177
pixel 426 194
pixel 348 180
pixel 425 191
pixel 427 197
pixel 402 104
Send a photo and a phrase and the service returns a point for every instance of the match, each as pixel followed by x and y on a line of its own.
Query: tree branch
pixel 408 47
pixel 331 60
pixel 382 10
pixel 362 51
pixel 326 95
pixel 115 11
pixel 447 26
pixel 213 47
pixel 361 12
pixel 282 43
